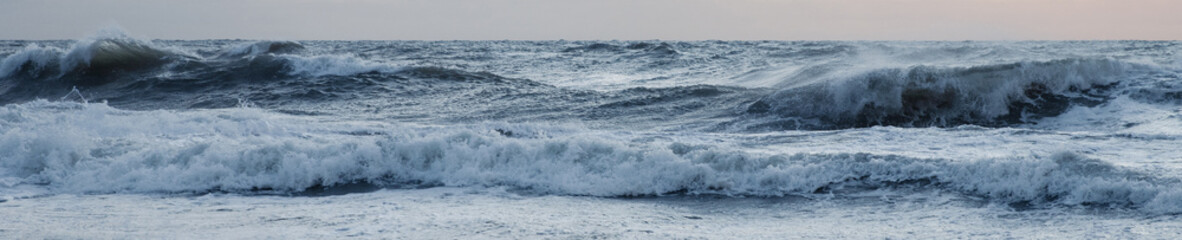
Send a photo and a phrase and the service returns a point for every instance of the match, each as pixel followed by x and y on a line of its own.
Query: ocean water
pixel 113 136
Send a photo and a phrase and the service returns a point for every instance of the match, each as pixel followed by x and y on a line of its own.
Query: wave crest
pixel 937 96
pixel 32 61
pixel 104 56
pixel 333 65
pixel 263 47
pixel 92 58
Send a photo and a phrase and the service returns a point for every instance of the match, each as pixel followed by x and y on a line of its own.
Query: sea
pixel 114 136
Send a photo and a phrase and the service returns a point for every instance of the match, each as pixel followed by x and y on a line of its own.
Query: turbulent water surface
pixel 519 138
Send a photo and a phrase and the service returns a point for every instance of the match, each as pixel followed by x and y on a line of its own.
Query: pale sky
pixel 598 19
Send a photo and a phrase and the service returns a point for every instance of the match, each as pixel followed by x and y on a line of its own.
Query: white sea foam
pixel 34 57
pixel 334 65
pixel 309 65
pixel 92 148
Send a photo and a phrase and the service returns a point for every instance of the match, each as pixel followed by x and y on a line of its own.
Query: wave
pixel 106 56
pixel 1168 91
pixel 332 65
pixel 32 61
pixel 263 47
pixel 91 61
pixel 99 56
pixel 93 148
pixel 830 91
pixel 268 78
pixel 595 47
pixel 109 54
pixel 632 50
pixel 113 66
pixel 277 59
pixel 918 96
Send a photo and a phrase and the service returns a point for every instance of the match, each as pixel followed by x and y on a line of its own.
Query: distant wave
pixel 919 96
pixel 779 85
pixel 637 49
pixel 116 67
pixel 332 65
pixel 113 53
pixel 92 148
pixel 263 47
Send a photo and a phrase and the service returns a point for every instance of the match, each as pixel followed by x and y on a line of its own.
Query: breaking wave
pixel 93 148
pixel 920 96
pixel 113 66
pixel 264 47
pixel 114 55
pixel 90 57
pixel 332 65
pixel 33 60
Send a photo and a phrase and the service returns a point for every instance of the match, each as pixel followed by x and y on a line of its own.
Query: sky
pixel 598 19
